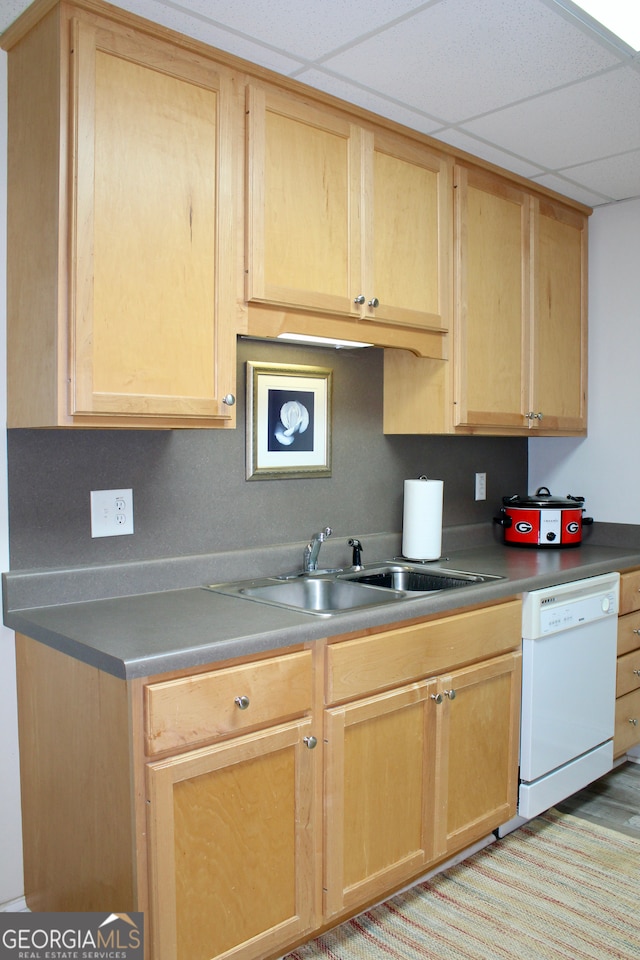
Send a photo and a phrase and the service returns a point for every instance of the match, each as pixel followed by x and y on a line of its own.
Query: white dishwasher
pixel 569 646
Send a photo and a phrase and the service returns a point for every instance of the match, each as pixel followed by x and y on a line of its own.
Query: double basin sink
pixel 327 593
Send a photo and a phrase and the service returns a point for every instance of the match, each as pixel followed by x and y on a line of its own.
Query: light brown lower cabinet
pixel 627 718
pixel 232 845
pixel 245 806
pixel 378 804
pixel 416 774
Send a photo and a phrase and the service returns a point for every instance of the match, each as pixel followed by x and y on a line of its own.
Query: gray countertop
pixel 154 632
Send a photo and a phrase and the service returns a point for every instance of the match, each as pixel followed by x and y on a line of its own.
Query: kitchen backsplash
pixel 189 488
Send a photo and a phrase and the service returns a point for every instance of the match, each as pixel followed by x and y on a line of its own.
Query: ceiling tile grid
pixel 581 122
pixel 461 58
pixel 530 85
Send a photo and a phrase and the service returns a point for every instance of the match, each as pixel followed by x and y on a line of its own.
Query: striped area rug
pixel 559 888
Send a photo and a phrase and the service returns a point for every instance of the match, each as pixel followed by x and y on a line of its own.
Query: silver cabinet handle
pixel 310 742
pixel 534 416
pixel 242 702
pixel 374 302
pixel 636 673
pixel 359 299
pixel 229 399
pixel 437 697
pixel 636 631
pixel 633 721
pixel 451 694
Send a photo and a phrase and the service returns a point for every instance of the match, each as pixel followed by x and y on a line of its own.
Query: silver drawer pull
pixel 633 721
pixel 310 742
pixel 451 694
pixel 637 673
pixel 241 702
pixel 437 697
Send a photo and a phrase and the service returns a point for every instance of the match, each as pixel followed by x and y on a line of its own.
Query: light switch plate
pixel 481 486
pixel 111 513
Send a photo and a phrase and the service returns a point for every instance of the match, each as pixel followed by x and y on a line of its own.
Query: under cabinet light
pixel 322 341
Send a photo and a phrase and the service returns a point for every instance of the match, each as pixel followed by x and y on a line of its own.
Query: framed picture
pixel 288 421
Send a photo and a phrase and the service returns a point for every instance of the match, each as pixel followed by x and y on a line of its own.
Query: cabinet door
pixel 492 301
pixel 558 369
pixel 377 804
pixel 628 673
pixel 478 735
pixel 630 591
pixel 303 228
pixel 408 217
pixel 627 727
pixel 628 630
pixel 152 252
pixel 234 846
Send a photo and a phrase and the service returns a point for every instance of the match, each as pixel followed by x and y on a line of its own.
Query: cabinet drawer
pixel 366 664
pixel 180 713
pixel 630 591
pixel 628 633
pixel 628 673
pixel 627 732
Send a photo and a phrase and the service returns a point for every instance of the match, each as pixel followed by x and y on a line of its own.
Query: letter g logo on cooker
pixel 523 526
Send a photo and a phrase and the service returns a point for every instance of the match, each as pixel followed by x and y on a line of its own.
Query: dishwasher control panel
pixel 569 605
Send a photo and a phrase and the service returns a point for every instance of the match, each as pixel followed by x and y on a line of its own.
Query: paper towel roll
pixel 422 519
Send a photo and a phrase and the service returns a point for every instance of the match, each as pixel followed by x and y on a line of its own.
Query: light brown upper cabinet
pixel 123 209
pixel 519 334
pixel 407 233
pixel 492 301
pixel 346 221
pixel 558 387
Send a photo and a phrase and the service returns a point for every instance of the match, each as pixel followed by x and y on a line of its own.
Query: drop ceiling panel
pixel 487 151
pixel 369 100
pixel 184 19
pixel 460 58
pixel 616 177
pixel 568 188
pixel 308 29
pixel 586 121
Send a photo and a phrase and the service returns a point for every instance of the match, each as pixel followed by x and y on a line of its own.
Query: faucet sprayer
pixel 357 553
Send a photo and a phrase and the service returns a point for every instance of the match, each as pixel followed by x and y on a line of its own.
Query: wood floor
pixel 613 801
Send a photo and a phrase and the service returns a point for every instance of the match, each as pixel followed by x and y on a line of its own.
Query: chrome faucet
pixel 312 549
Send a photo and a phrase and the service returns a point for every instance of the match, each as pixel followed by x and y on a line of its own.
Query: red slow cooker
pixel 541 520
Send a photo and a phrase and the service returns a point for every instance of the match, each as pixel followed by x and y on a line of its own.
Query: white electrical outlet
pixel 111 513
pixel 481 486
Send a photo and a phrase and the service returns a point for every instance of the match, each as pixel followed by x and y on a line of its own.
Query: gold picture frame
pixel 288 421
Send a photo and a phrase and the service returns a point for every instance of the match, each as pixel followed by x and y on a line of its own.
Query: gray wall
pixel 190 492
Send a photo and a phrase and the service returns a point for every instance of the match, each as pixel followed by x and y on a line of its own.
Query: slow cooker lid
pixel 543 498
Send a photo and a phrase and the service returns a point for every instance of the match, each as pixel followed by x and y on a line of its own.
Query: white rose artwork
pixel 294 418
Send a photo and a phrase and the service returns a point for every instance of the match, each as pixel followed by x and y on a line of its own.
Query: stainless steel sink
pixel 414 578
pixel 323 596
pixel 331 592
